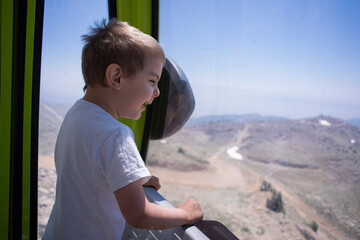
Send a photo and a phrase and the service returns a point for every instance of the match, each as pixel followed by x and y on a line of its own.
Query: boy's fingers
pixel 193 209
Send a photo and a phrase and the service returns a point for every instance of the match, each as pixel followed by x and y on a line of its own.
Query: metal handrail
pixel 177 233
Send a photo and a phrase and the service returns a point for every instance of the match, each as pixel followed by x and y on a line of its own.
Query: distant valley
pixel 316 160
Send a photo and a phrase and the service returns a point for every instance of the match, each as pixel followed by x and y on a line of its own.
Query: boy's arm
pixel 140 213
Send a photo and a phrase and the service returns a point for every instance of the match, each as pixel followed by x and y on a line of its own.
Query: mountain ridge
pixel 239 118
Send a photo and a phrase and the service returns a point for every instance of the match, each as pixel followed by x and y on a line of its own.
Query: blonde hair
pixel 115 42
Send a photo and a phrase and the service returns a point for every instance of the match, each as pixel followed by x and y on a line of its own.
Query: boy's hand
pixel 193 210
pixel 153 182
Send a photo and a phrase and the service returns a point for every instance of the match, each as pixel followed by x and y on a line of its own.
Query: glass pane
pixel 61 82
pixel 272 148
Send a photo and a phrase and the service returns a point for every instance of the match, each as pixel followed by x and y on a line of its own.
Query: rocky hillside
pixel 317 158
pixel 322 142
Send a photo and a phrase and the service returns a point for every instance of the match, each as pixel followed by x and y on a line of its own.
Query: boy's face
pixel 141 88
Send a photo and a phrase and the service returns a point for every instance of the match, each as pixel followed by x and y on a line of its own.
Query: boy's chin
pixel 136 117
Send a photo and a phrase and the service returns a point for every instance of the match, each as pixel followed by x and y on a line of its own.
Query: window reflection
pixel 272 149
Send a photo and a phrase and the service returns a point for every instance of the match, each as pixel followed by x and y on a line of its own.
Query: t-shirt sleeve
pixel 121 160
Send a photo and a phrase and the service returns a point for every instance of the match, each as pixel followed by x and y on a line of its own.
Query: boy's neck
pixel 101 96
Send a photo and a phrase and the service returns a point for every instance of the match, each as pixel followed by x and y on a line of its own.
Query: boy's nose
pixel 156 92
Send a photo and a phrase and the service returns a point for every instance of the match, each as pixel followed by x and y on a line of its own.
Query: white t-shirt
pixel 95 155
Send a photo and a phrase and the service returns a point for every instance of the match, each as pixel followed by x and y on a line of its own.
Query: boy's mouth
pixel 147 103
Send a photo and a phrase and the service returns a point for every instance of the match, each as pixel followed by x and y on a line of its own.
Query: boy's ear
pixel 113 75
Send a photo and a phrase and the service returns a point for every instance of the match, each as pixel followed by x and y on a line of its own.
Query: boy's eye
pixel 153 81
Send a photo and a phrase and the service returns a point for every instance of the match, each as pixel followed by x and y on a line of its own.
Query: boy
pixel 100 173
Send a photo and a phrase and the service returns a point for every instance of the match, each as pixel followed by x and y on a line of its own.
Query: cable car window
pixel 61 82
pixel 272 148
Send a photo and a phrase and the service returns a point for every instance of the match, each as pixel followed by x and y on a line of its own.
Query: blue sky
pixel 285 58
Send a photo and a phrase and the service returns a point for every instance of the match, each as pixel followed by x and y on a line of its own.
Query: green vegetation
pixel 275 203
pixel 265 186
pixel 181 150
pixel 313 225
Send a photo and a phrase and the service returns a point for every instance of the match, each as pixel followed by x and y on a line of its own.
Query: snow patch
pixel 352 141
pixel 232 152
pixel 324 122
